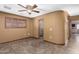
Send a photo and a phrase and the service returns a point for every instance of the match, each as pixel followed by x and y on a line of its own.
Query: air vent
pixel 7 7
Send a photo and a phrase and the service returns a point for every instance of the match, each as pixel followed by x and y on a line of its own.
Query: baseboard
pixel 54 43
pixel 31 37
pixel 16 40
pixel 34 37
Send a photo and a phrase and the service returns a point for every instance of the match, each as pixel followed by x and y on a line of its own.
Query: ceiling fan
pixel 29 8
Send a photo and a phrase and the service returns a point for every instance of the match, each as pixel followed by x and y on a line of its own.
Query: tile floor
pixel 38 46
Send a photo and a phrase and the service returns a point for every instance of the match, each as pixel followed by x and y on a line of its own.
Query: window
pixel 77 26
pixel 14 22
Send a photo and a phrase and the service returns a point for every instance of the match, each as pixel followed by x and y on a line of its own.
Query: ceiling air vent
pixel 7 7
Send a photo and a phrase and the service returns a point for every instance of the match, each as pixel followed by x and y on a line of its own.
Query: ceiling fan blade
pixel 21 10
pixel 36 11
pixel 24 10
pixel 22 6
pixel 41 9
pixel 28 7
pixel 34 6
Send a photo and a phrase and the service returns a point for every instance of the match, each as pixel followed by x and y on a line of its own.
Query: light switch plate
pixel 50 29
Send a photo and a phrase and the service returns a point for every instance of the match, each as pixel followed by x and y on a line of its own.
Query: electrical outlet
pixel 50 29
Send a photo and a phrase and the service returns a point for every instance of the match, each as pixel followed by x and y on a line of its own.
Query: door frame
pixel 39 27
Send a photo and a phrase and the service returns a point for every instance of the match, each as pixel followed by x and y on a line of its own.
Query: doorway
pixel 74 27
pixel 41 28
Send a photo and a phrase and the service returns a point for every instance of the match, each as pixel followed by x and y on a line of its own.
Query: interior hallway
pixel 37 46
pixel 73 45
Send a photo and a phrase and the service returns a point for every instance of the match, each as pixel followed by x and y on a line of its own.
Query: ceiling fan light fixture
pixel 30 8
pixel 29 11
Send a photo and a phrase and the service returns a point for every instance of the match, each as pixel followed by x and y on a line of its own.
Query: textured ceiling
pixel 73 9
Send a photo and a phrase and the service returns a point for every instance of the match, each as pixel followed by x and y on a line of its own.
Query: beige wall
pixel 14 33
pixel 54 27
pixel 31 27
pixel 67 27
pixel 36 25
